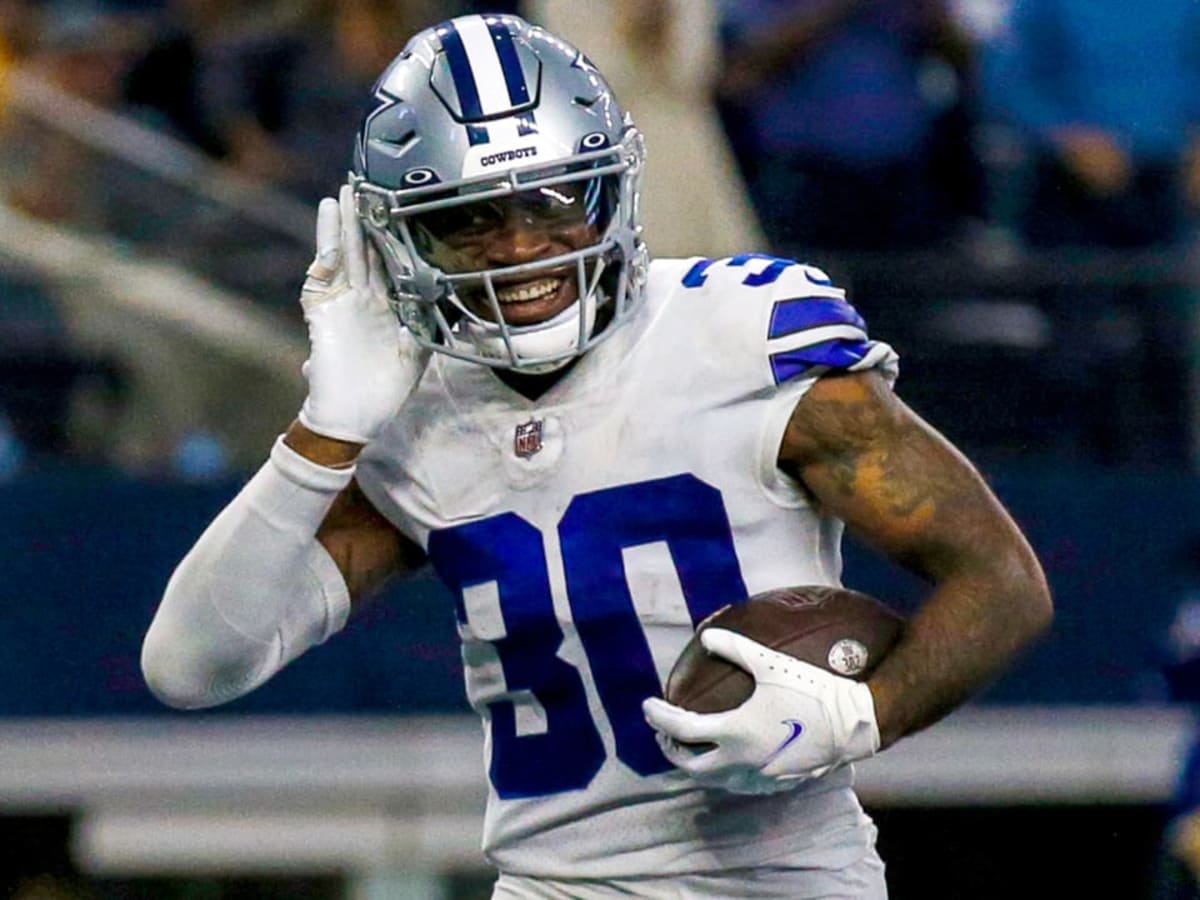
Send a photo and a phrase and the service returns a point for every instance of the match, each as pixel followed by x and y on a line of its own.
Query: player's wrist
pixel 863 736
pixel 888 709
pixel 323 450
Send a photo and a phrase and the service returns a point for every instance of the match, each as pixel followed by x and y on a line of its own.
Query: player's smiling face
pixel 509 231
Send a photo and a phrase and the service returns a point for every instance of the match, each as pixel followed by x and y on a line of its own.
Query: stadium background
pixel 150 350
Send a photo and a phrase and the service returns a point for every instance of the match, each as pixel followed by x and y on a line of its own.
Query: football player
pixel 595 451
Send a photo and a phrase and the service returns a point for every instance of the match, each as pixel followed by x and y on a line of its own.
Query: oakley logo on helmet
pixel 418 177
pixel 508 156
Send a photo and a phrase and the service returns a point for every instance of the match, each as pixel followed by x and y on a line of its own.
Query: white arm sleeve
pixel 255 591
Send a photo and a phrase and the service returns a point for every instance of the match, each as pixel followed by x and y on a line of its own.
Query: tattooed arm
pixel 902 487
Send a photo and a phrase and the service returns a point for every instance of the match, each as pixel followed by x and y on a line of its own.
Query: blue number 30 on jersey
pixel 506 550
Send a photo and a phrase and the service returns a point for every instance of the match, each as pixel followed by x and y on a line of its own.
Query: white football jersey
pixel 586 533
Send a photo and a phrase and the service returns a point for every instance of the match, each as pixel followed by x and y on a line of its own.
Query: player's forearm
pixel 968 630
pixel 255 591
pixel 905 489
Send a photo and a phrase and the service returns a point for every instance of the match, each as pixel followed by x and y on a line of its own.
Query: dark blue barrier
pixel 84 561
pixel 85 556
pixel 1115 547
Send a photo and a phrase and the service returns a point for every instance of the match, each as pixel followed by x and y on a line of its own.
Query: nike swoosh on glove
pixel 363 364
pixel 800 723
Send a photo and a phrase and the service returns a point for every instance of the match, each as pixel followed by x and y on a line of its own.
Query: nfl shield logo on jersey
pixel 528 438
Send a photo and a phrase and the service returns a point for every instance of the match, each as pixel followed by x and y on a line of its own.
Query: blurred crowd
pixel 917 148
pixel 270 88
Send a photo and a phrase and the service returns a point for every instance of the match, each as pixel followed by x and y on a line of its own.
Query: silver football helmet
pixel 476 116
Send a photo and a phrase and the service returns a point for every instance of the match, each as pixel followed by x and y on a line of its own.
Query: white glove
pixel 800 723
pixel 363 363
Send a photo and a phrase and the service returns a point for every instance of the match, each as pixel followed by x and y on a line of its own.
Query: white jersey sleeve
pixel 785 318
pixel 770 327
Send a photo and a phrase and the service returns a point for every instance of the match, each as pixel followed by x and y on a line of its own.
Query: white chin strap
pixel 538 348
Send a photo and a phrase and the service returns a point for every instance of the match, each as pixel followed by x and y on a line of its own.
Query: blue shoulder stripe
pixel 835 354
pixel 803 313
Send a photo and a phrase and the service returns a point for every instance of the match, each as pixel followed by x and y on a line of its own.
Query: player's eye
pixel 569 204
pixel 555 206
pixel 456 224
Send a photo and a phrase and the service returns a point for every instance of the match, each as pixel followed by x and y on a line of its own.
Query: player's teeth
pixel 531 291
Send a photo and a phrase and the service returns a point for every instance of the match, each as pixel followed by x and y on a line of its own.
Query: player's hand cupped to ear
pixel 363 363
pixel 800 723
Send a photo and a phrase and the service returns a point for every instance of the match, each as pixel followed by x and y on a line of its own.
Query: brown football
pixel 842 631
